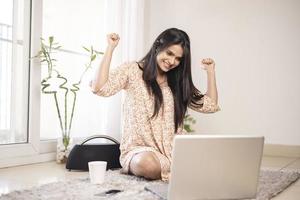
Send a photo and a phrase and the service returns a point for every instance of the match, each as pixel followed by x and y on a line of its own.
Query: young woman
pixel 159 88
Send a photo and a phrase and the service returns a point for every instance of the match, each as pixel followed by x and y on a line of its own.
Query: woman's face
pixel 170 57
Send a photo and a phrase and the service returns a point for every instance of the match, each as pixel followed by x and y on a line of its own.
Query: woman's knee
pixel 146 164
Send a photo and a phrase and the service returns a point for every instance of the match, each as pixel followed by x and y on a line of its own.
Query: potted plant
pixel 187 123
pixel 53 76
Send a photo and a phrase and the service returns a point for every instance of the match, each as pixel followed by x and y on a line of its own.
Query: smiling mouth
pixel 167 65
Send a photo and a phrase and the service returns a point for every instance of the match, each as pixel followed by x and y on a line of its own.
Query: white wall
pixel 256 46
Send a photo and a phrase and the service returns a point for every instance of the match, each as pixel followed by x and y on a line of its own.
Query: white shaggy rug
pixel 271 183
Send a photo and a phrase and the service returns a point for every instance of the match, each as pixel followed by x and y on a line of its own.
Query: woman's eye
pixel 169 53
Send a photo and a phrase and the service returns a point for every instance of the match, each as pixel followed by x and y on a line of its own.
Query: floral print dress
pixel 140 132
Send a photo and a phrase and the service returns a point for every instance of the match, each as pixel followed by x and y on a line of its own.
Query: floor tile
pixel 21 177
pixel 276 162
pixel 294 165
pixel 291 193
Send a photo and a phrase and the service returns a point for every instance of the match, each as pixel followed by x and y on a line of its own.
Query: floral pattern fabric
pixel 140 133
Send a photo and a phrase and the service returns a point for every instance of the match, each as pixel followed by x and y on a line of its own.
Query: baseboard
pixel 282 150
pixel 26 160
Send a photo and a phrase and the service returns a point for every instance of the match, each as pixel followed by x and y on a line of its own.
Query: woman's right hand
pixel 113 40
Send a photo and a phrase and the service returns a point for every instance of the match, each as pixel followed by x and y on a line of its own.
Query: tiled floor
pixel 21 177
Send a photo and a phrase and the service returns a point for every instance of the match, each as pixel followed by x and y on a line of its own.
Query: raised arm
pixel 101 76
pixel 209 65
pixel 209 102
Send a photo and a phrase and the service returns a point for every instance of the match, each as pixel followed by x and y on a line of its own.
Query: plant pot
pixel 62 152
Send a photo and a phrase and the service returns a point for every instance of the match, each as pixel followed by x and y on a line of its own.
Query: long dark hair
pixel 179 79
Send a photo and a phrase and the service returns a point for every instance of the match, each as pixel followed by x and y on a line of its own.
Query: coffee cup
pixel 97 171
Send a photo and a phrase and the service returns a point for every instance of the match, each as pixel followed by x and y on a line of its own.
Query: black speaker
pixel 83 153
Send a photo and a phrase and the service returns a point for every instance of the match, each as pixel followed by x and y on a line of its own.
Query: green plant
pixel 187 123
pixel 45 55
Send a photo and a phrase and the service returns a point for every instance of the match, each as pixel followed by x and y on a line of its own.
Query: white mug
pixel 97 171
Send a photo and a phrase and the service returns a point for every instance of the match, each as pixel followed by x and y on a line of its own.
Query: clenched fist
pixel 113 40
pixel 208 64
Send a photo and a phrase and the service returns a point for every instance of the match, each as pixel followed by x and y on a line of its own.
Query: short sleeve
pixel 205 105
pixel 118 79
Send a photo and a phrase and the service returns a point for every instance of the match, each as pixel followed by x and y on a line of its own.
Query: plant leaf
pixel 93 57
pixel 187 128
pixel 51 39
pixel 98 52
pixel 86 49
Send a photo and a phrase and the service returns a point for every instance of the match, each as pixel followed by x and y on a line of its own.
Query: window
pixel 14 70
pixel 26 115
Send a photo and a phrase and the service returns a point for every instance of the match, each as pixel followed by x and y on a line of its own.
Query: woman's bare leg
pixel 145 164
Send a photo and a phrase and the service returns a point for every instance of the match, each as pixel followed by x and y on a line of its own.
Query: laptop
pixel 213 167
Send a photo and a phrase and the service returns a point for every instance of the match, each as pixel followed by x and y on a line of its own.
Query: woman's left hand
pixel 208 64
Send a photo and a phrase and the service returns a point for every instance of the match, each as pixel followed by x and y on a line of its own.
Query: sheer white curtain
pixel 93 114
pixel 133 31
pixel 127 19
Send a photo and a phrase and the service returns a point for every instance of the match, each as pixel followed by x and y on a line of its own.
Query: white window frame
pixel 35 150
